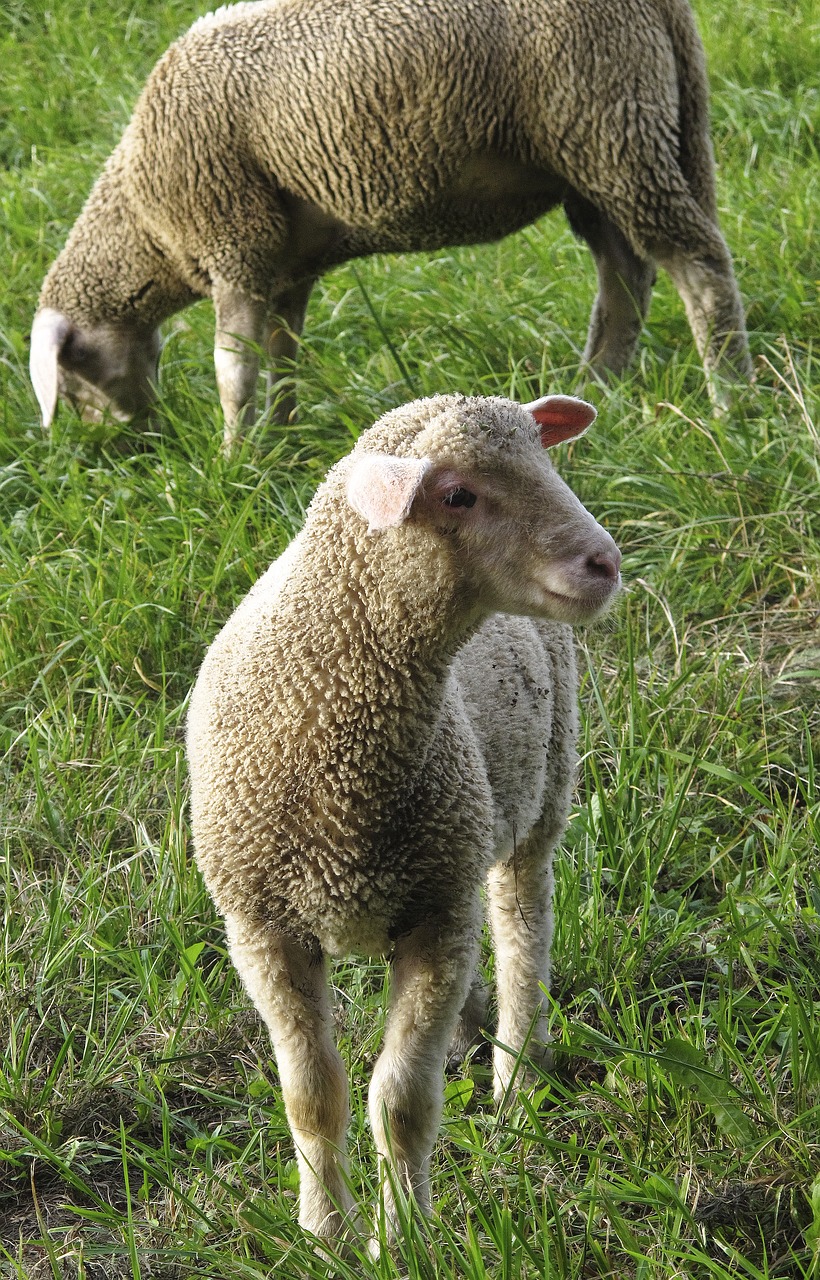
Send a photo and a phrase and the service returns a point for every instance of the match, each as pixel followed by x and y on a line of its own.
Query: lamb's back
pixel 517 681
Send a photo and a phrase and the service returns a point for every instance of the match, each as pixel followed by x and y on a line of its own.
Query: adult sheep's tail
pixel 696 157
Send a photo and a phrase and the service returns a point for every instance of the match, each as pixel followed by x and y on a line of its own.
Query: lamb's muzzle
pixel 586 582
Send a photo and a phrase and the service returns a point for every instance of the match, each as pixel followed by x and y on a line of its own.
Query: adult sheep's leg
pixel 624 289
pixel 288 984
pixel 668 224
pixel 703 276
pixel 430 976
pixel 240 330
pixel 283 343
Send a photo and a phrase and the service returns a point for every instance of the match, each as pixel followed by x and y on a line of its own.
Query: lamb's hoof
pixel 512 1074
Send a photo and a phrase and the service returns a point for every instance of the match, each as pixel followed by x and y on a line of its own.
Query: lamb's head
pixel 107 370
pixel 474 476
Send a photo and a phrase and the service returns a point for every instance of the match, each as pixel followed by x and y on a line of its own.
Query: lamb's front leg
pixel 519 894
pixel 430 977
pixel 288 985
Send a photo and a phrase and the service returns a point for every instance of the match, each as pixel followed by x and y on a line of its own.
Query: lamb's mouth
pixel 581 608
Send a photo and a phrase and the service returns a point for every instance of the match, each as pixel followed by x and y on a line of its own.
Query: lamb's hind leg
pixel 519 907
pixel 288 985
pixel 471 1021
pixel 625 283
pixel 430 975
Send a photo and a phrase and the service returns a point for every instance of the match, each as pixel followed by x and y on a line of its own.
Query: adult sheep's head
pixel 108 370
pixel 475 473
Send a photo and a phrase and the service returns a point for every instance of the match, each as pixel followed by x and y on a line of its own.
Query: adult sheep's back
pixel 275 140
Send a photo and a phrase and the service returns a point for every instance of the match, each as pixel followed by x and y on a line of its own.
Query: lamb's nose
pixel 605 564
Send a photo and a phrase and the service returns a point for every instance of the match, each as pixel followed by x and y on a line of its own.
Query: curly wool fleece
pixel 277 139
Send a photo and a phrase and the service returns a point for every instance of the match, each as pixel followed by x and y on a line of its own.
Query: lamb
pixel 277 139
pixel 387 721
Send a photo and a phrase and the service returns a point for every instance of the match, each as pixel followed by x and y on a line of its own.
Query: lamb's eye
pixel 460 498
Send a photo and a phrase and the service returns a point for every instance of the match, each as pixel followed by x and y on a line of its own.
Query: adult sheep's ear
pixel 49 333
pixel 381 488
pixel 561 418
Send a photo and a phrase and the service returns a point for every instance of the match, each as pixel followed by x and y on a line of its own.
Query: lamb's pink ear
pixel 561 418
pixel 48 336
pixel 381 488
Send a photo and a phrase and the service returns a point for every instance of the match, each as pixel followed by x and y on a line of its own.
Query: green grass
pixel 141 1129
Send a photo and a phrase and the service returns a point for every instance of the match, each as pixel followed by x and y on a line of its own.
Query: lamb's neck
pixel 387 643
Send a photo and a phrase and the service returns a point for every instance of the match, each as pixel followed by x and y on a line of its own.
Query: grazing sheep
pixel 277 139
pixel 372 737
